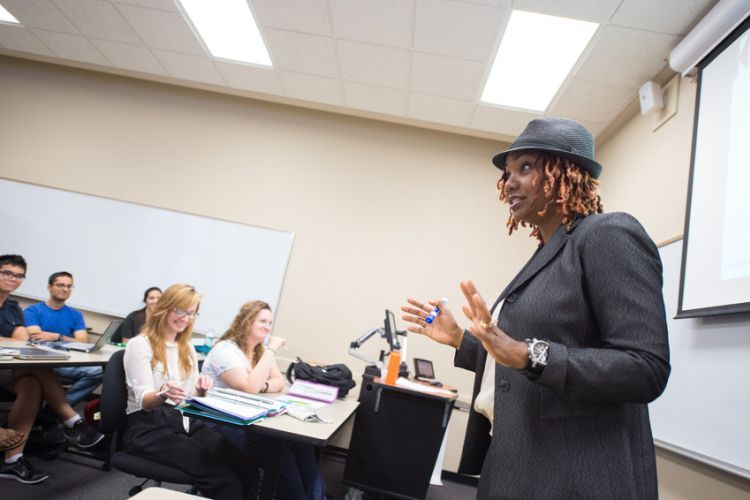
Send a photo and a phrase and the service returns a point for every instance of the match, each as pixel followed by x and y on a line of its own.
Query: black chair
pixel 113 413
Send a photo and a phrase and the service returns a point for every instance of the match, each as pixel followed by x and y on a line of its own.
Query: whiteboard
pixel 705 409
pixel 116 250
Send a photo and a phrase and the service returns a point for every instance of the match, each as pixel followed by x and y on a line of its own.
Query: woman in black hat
pixel 577 341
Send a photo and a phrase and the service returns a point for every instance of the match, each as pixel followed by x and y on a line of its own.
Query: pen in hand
pixel 434 314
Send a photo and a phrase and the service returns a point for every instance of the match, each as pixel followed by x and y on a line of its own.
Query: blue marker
pixel 431 317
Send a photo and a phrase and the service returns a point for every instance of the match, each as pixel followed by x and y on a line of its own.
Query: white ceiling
pixel 420 62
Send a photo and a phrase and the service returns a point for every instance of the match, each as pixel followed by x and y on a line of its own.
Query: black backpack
pixel 336 375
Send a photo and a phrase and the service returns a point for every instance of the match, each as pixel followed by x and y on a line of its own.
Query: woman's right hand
pixel 276 343
pixel 174 391
pixel 444 329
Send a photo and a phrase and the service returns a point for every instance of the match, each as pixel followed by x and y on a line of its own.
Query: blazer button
pixel 504 385
pixel 511 298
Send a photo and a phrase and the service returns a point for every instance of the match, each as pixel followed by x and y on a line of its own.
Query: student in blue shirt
pixel 52 321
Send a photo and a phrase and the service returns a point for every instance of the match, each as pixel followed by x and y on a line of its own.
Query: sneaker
pixel 83 435
pixel 21 470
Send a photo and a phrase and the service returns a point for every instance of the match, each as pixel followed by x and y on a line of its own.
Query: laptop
pixel 113 326
pixel 37 353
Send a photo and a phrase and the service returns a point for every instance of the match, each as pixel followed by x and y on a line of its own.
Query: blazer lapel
pixel 543 255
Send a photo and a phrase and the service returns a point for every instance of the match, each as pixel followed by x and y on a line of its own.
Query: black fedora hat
pixel 560 136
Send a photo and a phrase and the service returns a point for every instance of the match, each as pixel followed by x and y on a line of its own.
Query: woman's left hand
pixel 203 385
pixel 502 348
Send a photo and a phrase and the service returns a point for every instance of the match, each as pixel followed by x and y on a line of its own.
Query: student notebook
pixel 91 347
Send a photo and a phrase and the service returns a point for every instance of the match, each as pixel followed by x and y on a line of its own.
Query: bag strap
pixel 290 370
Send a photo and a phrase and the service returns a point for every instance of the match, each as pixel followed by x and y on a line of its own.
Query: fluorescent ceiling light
pixel 6 16
pixel 228 29
pixel 535 56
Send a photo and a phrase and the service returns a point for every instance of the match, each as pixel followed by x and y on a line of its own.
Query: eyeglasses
pixel 181 313
pixel 12 276
pixel 63 285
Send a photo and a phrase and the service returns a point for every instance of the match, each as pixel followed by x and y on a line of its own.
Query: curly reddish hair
pixel 567 186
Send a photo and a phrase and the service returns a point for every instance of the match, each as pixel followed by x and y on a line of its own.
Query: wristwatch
pixel 538 352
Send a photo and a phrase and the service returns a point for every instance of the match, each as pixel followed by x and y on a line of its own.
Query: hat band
pixel 539 144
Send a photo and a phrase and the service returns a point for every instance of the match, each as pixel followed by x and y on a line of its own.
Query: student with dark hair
pixel 53 320
pixel 136 319
pixel 31 385
pixel 573 350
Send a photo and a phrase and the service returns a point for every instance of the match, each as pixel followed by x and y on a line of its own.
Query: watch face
pixel 539 352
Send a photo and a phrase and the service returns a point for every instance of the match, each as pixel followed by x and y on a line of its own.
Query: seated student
pixel 135 320
pixel 52 321
pixel 31 385
pixel 240 361
pixel 161 369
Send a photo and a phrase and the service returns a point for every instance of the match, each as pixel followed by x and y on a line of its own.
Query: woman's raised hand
pixel 444 328
pixel 276 343
pixel 504 349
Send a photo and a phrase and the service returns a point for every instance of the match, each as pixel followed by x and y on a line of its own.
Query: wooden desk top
pixel 99 358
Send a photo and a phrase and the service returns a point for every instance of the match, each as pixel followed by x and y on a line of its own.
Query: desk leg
pixel 272 470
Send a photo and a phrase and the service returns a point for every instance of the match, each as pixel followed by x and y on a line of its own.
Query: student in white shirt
pixel 241 361
pixel 161 370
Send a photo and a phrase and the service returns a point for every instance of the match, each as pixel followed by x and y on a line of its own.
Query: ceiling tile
pixel 302 53
pixel 163 30
pixel 187 67
pixel 457 29
pixel 18 38
pixel 505 4
pixel 501 120
pixel 597 11
pixel 674 17
pixel 168 5
pixel 307 16
pixel 592 100
pixel 73 47
pixel 41 14
pixel 443 76
pixel 374 64
pixel 626 57
pixel 312 88
pixel 130 57
pixel 441 110
pixel 252 78
pixel 384 22
pixel 98 19
pixel 381 100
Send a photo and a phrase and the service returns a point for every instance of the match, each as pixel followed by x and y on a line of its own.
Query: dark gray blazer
pixel 581 429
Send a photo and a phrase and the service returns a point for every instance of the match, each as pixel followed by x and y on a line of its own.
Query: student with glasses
pixel 31 385
pixel 53 320
pixel 161 369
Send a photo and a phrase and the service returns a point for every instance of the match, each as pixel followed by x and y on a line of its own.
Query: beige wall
pixel 380 211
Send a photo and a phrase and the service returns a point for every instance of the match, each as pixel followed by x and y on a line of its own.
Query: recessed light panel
pixel 535 56
pixel 228 29
pixel 7 17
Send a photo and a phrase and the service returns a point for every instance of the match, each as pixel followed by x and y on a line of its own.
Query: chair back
pixel 114 395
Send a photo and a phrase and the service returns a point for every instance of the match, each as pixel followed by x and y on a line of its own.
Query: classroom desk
pixel 99 358
pixel 316 434
pixel 287 429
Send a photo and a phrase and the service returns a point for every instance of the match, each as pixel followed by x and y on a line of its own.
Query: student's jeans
pixel 299 477
pixel 85 379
